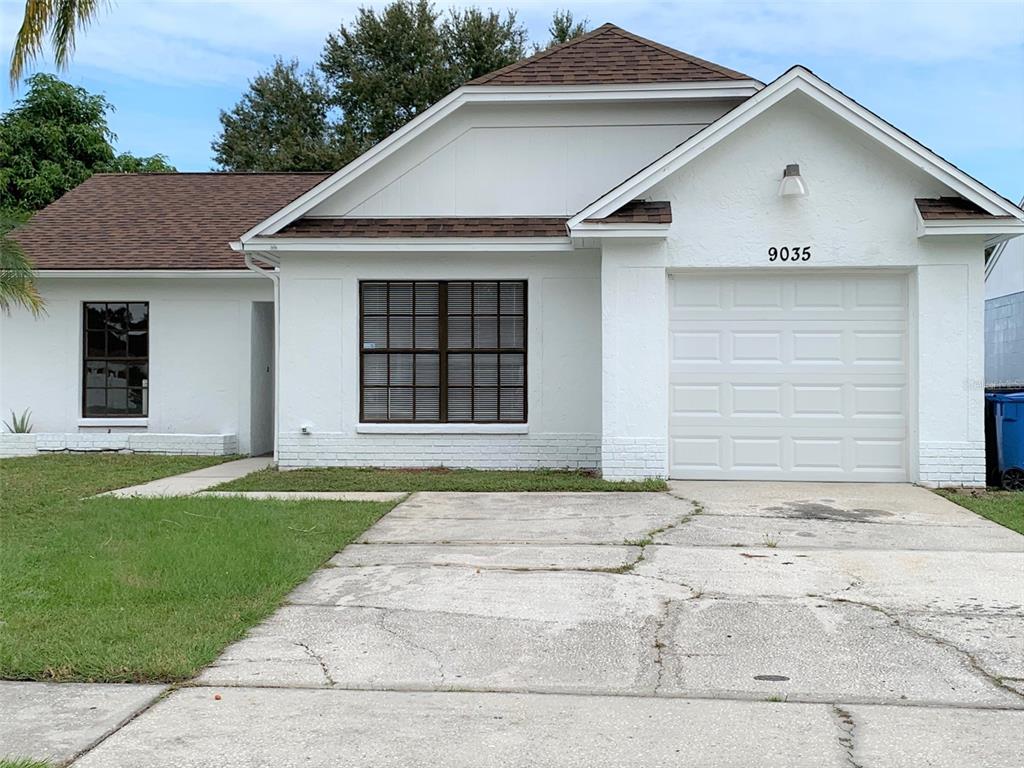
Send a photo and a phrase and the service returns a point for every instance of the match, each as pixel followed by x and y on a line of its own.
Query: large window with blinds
pixel 443 351
pixel 115 366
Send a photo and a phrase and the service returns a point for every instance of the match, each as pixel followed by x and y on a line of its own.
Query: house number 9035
pixel 785 253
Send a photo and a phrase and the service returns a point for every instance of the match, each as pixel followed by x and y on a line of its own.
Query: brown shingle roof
pixel 952 208
pixel 447 226
pixel 608 55
pixel 157 221
pixel 640 212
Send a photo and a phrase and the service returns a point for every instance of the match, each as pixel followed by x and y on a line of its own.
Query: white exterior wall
pixel 519 159
pixel 634 327
pixel 319 372
pixel 199 365
pixel 859 214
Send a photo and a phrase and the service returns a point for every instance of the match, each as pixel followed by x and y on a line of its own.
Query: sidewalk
pixel 58 721
pixel 199 480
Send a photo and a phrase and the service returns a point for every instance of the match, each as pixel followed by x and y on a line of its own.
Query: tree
pixel 17 281
pixel 129 163
pixel 280 124
pixel 380 71
pixel 384 71
pixel 390 66
pixel 54 139
pixel 563 28
pixel 58 19
pixel 476 43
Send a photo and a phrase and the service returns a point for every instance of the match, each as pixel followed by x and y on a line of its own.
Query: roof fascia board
pixel 491 94
pixel 977 227
pixel 996 229
pixel 609 230
pixel 410 245
pixel 145 273
pixel 807 82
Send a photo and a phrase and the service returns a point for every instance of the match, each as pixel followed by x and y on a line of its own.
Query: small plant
pixel 20 424
pixel 770 540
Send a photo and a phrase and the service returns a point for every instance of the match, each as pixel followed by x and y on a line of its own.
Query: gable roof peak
pixel 608 55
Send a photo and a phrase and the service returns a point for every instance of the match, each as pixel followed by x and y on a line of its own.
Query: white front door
pixel 799 376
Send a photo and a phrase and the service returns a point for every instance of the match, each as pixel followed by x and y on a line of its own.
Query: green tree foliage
pixel 280 124
pixel 375 74
pixel 384 70
pixel 477 42
pixel 129 163
pixel 54 139
pixel 564 28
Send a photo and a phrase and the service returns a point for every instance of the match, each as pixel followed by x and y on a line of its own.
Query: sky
pixel 951 74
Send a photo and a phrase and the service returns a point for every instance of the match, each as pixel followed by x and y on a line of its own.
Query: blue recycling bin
pixel 1009 422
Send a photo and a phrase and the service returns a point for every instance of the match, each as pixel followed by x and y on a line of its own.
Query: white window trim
pixel 441 429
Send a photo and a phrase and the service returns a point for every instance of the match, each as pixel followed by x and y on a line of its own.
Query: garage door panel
pixel 789 377
pixel 761 456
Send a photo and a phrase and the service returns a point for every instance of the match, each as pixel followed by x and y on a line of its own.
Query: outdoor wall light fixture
pixel 793 184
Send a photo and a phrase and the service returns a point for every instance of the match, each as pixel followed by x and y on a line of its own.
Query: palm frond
pixel 17 280
pixel 62 19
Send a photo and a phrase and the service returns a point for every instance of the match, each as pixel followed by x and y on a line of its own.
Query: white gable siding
pixel 521 160
pixel 1007 275
pixel 1004 318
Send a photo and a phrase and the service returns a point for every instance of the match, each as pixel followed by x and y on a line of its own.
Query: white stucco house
pixel 612 255
pixel 1004 316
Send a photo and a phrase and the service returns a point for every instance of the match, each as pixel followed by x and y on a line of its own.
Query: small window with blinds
pixel 443 351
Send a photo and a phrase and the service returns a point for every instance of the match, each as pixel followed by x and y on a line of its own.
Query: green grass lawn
pixel 1004 507
pixel 438 479
pixel 143 589
pixel 23 763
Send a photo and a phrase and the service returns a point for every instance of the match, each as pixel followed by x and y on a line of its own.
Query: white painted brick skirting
pixel 132 442
pixel 952 464
pixel 633 458
pixel 337 449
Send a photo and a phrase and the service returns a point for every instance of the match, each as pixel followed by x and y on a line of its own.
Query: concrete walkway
pixel 57 721
pixel 189 483
pixel 723 624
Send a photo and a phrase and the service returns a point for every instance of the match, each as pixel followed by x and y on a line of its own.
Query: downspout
pixel 274 276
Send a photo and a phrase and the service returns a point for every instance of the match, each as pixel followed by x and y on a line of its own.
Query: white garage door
pixel 788 377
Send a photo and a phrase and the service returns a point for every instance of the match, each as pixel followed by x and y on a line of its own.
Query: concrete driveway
pixel 723 624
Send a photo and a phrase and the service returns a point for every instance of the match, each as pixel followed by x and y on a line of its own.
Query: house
pixel 611 255
pixel 1004 316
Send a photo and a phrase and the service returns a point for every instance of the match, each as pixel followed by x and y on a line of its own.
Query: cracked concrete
pixel 883 628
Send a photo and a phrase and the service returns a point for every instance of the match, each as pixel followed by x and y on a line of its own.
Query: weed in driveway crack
pixel 846 729
pixel 318 660
pixel 660 622
pixel 648 538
